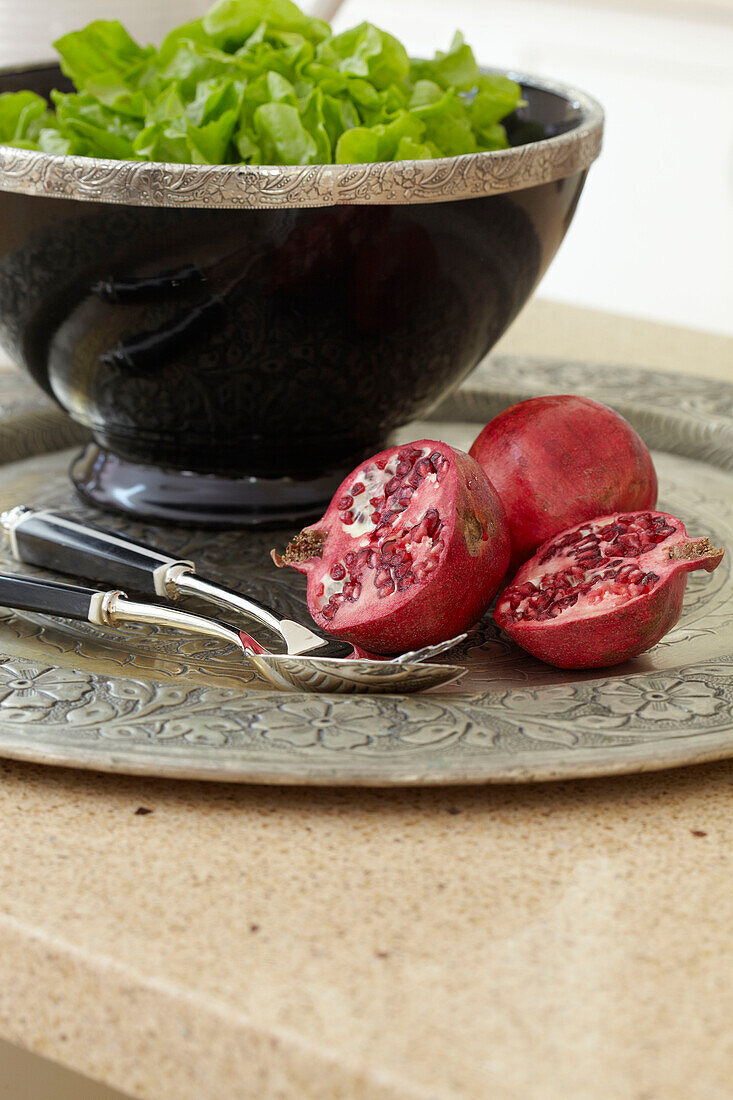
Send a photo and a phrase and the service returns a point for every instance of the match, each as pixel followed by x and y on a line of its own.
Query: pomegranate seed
pixel 346 518
pixel 352 591
pixel 433 524
pixel 405 582
pixel 344 503
pixel 403 468
pixel 329 611
pixel 526 589
pixel 358 489
pixel 383 576
pixel 385 590
pixel 350 560
pixel 337 571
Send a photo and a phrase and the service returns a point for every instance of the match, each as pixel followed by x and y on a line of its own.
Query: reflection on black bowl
pixel 233 363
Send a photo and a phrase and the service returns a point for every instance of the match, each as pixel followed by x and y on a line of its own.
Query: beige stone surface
pixel 569 940
pixel 571 332
pixel 559 942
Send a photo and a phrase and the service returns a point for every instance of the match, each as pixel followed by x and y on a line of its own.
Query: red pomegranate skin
pixel 557 460
pixel 450 537
pixel 607 618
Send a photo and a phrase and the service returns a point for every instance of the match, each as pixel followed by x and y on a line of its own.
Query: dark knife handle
pixel 29 594
pixel 65 545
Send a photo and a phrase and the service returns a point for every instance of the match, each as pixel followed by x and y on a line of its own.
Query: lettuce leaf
pixel 102 49
pixel 97 130
pixel 22 116
pixel 455 69
pixel 231 22
pixel 282 136
pixel 367 52
pixel 261 82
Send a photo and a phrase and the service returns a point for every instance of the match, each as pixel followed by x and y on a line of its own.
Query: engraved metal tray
pixel 187 708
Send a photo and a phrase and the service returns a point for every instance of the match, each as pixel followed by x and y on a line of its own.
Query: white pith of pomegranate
pixel 603 591
pixel 409 553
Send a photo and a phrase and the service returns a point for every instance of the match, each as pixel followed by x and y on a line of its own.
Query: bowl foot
pixel 199 500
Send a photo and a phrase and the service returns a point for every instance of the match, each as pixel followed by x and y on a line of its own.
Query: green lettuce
pixel 23 116
pixel 261 82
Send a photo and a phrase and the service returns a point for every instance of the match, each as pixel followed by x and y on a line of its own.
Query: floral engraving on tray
pixel 34 689
pixel 659 699
pixel 305 723
pixel 73 707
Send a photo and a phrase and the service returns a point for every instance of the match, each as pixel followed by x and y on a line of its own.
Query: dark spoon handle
pixel 65 545
pixel 28 594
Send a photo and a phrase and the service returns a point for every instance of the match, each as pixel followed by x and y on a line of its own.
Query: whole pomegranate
pixel 410 551
pixel 557 460
pixel 604 590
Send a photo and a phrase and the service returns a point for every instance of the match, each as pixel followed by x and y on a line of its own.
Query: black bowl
pixel 238 338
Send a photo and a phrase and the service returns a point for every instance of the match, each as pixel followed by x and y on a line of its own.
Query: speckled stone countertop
pixel 199 942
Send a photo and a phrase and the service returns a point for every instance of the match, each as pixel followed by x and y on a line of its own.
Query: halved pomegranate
pixel 410 551
pixel 603 591
pixel 560 459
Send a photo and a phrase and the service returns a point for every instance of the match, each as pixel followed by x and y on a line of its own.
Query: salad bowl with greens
pixel 243 257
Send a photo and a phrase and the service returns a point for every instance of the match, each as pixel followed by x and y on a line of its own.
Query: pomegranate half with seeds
pixel 409 553
pixel 603 591
pixel 560 459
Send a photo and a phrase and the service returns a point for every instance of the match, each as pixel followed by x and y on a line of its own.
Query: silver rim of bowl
pixel 234 186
